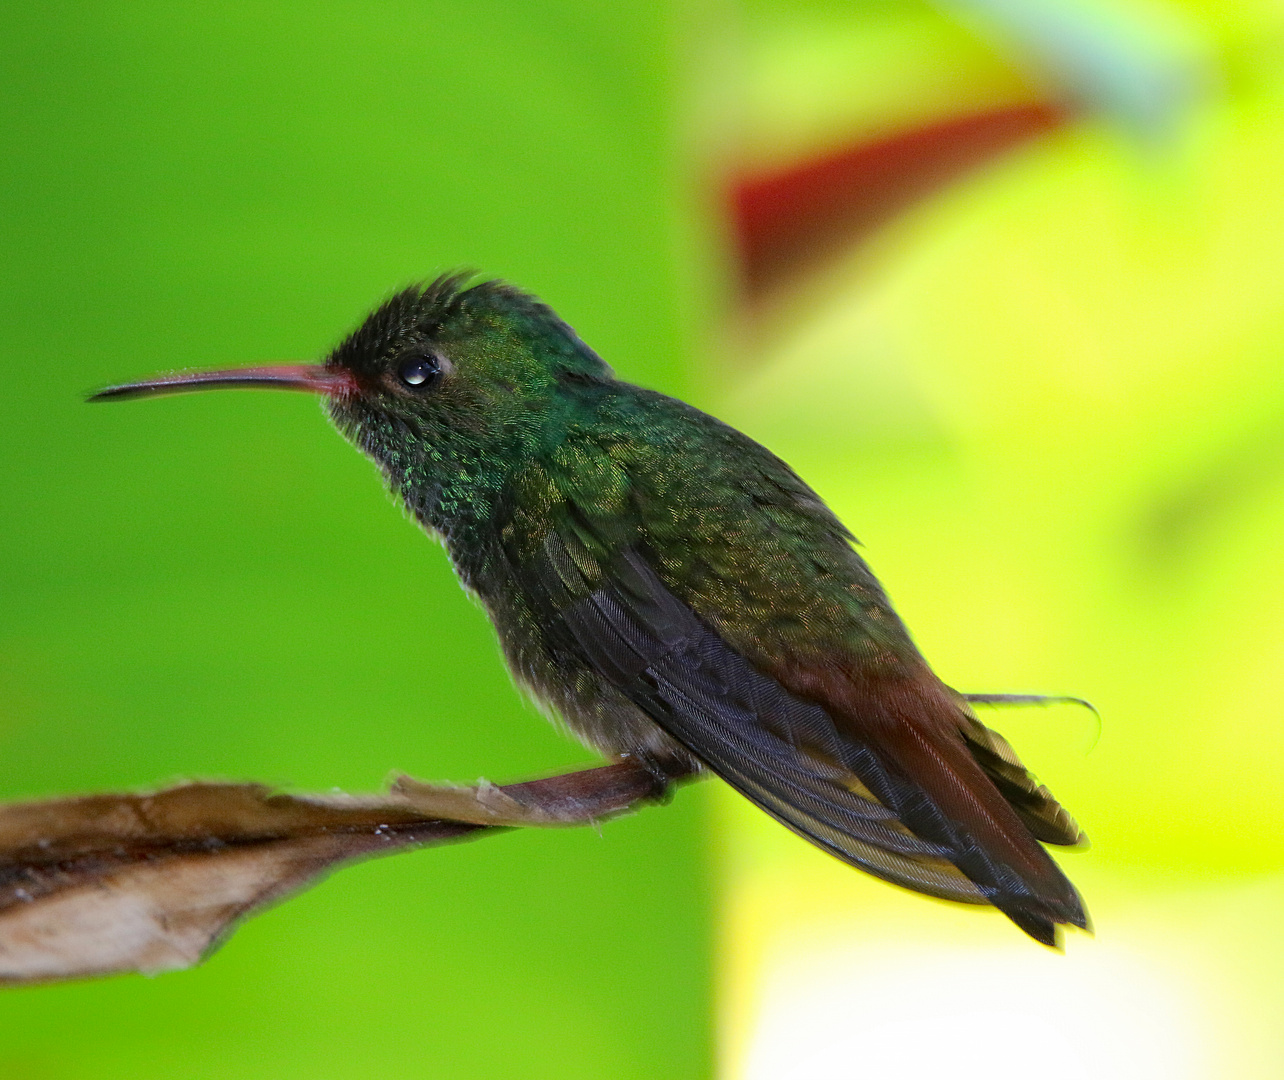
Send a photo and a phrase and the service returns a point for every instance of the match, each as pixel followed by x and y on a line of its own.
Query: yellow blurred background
pixel 1049 399
pixel 1044 390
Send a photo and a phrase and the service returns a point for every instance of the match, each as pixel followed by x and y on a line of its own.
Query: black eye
pixel 419 372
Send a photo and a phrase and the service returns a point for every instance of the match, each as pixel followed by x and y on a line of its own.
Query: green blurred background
pixel 222 588
pixel 1048 398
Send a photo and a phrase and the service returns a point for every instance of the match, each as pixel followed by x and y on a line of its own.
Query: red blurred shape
pixel 787 219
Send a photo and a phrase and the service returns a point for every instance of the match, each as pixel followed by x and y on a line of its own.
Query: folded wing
pixel 921 801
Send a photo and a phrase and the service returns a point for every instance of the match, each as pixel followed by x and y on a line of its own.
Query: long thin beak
pixel 315 378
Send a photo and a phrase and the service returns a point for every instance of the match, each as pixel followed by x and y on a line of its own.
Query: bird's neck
pixel 455 495
pixel 459 485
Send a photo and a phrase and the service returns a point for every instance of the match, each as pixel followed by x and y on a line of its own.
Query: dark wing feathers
pixel 651 646
pixel 790 757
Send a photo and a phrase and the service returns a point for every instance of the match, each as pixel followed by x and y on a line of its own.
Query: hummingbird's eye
pixel 419 372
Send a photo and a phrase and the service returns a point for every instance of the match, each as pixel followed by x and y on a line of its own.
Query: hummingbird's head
pixel 457 367
pixel 442 377
pixel 451 386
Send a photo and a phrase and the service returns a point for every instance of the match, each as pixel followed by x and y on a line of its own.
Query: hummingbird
pixel 677 595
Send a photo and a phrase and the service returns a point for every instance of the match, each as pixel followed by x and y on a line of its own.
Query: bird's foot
pixel 484 804
pixel 572 799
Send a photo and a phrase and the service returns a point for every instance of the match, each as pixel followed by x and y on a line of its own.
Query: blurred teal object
pixel 1142 62
pixel 224 591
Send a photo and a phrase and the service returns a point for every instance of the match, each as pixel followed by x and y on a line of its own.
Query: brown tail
pixel 960 787
pixel 1046 818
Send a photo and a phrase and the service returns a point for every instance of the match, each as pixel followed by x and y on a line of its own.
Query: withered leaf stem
pixel 99 884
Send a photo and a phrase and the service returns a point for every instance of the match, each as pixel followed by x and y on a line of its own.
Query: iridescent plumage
pixel 677 594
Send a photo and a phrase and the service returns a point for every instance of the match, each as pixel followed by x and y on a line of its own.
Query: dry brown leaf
pixel 110 883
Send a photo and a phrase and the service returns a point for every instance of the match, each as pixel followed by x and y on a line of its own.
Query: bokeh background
pixel 1002 280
